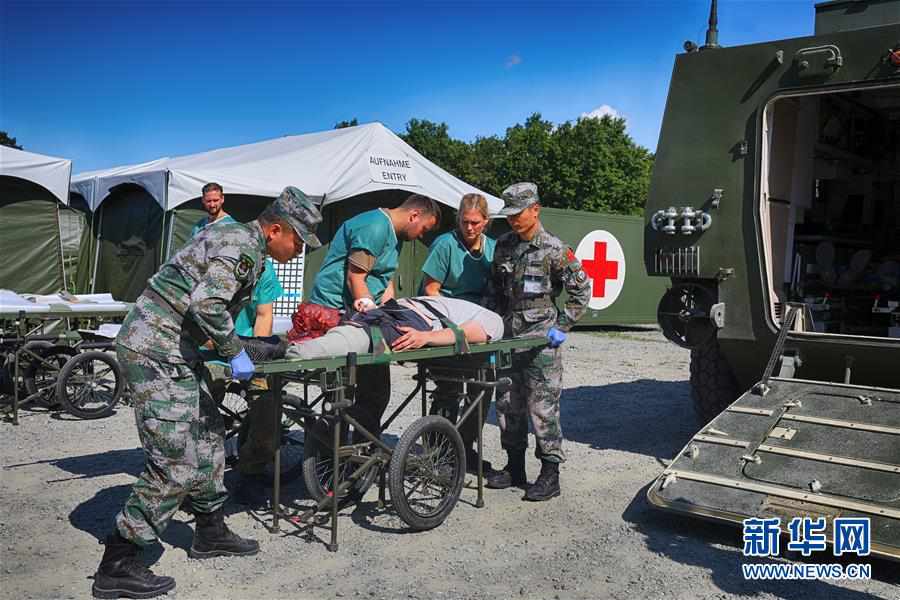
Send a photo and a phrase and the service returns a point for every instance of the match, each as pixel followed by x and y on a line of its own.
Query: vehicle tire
pixel 713 386
pixel 426 472
pixel 40 376
pixel 90 384
pixel 318 469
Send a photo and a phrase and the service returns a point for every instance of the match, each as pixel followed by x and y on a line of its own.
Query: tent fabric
pixel 47 171
pixel 330 165
pixel 94 186
pixel 130 244
pixel 32 186
pixel 29 230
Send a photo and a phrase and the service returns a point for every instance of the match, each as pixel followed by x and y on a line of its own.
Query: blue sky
pixel 114 82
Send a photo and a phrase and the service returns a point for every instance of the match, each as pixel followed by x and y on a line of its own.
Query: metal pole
pixel 423 381
pixel 21 335
pixel 276 484
pixel 97 250
pixel 479 503
pixel 62 256
pixel 335 448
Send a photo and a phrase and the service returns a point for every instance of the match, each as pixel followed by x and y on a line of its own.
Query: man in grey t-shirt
pixel 476 322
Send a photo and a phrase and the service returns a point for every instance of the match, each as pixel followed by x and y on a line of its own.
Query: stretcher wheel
pixel 90 384
pixel 427 471
pixel 318 466
pixel 234 409
pixel 41 374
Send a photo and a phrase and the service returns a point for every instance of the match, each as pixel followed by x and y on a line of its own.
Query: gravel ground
pixel 626 412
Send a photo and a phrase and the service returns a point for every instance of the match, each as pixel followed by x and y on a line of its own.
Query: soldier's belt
pixel 189 325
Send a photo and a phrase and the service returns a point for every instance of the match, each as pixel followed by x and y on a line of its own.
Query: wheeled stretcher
pixel 42 351
pixel 425 471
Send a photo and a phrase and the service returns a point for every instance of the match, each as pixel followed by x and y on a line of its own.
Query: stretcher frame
pixel 56 317
pixel 476 364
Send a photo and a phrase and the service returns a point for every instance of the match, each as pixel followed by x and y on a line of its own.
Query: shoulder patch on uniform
pixel 243 267
pixel 570 256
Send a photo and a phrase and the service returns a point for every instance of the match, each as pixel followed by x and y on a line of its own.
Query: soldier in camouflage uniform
pixel 189 302
pixel 531 267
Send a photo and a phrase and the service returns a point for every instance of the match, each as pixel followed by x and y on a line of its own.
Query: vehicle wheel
pixel 90 385
pixel 713 386
pixel 427 472
pixel 40 375
pixel 318 467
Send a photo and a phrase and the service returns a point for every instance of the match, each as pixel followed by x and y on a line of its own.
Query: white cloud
pixel 602 111
pixel 512 61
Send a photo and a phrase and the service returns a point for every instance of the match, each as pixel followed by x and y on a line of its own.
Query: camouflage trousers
pixel 534 394
pixel 446 402
pixel 182 434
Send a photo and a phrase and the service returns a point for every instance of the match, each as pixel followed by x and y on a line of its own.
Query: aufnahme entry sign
pixel 392 170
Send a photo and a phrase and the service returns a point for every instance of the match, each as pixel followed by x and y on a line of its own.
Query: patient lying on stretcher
pixel 405 324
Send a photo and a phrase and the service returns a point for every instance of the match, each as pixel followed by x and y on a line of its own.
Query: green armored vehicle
pixel 774 210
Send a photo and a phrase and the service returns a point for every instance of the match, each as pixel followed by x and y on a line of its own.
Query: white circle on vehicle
pixel 603 261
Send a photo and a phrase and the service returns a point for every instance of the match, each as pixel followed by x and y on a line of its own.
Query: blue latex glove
pixel 555 337
pixel 242 367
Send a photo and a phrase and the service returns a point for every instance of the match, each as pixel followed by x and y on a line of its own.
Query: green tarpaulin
pixel 29 238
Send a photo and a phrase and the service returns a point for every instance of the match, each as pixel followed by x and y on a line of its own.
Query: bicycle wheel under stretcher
pixel 426 472
pixel 90 384
pixel 318 465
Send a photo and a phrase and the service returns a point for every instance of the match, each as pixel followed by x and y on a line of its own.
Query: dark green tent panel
pixel 29 238
pixel 130 227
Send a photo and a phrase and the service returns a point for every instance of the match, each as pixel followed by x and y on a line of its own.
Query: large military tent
pixel 36 226
pixel 143 213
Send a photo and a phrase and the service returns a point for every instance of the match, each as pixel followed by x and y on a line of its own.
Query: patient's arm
pixel 413 338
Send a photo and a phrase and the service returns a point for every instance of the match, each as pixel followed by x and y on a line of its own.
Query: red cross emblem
pixel 600 270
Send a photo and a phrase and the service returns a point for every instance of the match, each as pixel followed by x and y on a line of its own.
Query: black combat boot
pixel 512 474
pixel 546 486
pixel 213 538
pixel 121 573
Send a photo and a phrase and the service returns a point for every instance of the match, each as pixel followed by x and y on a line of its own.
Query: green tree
pixel 529 155
pixel 433 141
pixel 590 164
pixel 486 167
pixel 344 124
pixel 5 140
pixel 598 167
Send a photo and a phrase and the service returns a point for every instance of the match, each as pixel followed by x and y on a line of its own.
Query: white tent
pixel 47 171
pixel 329 165
pixel 34 221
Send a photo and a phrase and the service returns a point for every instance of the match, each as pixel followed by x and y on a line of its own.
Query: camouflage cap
pixel 296 208
pixel 518 197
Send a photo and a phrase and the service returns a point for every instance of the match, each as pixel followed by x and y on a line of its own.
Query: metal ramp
pixel 794 448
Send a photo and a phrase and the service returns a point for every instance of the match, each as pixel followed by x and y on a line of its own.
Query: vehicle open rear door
pixel 795 448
